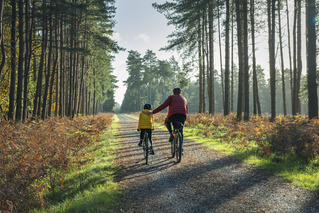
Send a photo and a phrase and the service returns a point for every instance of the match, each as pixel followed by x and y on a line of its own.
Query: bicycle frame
pixel 145 143
pixel 176 144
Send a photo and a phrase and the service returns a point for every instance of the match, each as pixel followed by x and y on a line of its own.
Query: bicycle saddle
pixel 178 125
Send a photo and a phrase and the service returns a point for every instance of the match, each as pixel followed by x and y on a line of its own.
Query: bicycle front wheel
pixel 179 147
pixel 145 147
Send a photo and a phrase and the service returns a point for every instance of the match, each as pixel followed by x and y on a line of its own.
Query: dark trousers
pixel 170 121
pixel 149 131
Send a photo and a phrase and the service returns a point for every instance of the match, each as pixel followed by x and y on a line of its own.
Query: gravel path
pixel 205 180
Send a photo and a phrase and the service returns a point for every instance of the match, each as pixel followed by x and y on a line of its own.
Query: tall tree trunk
pixel 282 64
pixel 20 63
pixel 221 65
pixel 203 64
pixel 71 69
pixel 256 101
pixel 227 71
pixel 240 58
pixel 294 81
pixel 299 60
pixel 211 62
pixel 76 84
pixel 13 60
pixel 200 68
pixel 271 41
pixel 37 100
pixel 311 59
pixel 289 49
pixel 47 79
pixel 54 68
pixel 232 67
pixel 94 92
pixel 28 52
pixel 62 76
pixel 245 61
pixel 3 60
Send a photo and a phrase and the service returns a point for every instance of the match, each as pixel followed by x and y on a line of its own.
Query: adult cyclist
pixel 178 110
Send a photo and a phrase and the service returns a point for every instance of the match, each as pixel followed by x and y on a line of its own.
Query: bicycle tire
pixel 145 146
pixel 173 147
pixel 179 147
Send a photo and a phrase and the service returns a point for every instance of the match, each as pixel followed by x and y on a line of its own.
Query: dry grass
pixel 38 150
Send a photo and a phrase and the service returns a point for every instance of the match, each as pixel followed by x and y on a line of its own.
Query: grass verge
pixel 91 187
pixel 299 173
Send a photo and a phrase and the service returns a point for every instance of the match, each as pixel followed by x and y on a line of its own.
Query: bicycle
pixel 145 146
pixel 176 144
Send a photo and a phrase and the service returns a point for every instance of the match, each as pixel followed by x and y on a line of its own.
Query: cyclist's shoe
pixel 140 144
pixel 151 151
pixel 171 138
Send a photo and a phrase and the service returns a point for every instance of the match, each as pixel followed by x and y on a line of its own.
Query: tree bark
pixel 203 64
pixel 299 56
pixel 1 38
pixel 13 60
pixel 232 67
pixel 271 41
pixel 200 68
pixel 245 62
pixel 294 81
pixel 20 63
pixel 211 61
pixel 311 59
pixel 227 60
pixel 256 101
pixel 221 66
pixel 240 58
pixel 289 49
pixel 282 64
pixel 37 100
pixel 47 79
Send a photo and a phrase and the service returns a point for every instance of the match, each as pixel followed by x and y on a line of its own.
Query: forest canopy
pixel 56 58
pixel 228 30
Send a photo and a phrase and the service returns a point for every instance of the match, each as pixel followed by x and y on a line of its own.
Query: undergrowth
pixel 89 187
pixel 35 157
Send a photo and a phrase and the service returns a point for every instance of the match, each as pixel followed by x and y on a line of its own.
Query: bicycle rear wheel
pixel 179 147
pixel 173 147
pixel 145 146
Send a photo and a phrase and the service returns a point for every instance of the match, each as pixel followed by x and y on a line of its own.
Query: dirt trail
pixel 204 181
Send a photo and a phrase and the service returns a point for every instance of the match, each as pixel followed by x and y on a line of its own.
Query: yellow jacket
pixel 145 121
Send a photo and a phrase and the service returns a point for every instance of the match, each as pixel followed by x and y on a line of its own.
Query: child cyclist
pixel 146 124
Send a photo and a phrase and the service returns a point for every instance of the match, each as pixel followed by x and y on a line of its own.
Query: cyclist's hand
pixel 150 113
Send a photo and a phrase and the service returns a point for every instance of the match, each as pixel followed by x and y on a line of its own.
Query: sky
pixel 140 27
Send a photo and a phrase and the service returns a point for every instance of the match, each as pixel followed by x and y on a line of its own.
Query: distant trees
pixel 194 36
pixel 64 57
pixel 151 80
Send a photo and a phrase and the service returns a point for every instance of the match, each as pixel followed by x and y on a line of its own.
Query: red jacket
pixel 177 105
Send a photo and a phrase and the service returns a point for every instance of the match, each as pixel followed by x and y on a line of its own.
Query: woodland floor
pixel 204 181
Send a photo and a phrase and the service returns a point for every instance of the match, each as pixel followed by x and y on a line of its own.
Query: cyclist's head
pixel 177 90
pixel 147 106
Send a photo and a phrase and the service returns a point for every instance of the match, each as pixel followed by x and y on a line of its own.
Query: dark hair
pixel 147 106
pixel 177 90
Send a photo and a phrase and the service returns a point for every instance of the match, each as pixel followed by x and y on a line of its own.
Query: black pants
pixel 176 117
pixel 149 131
